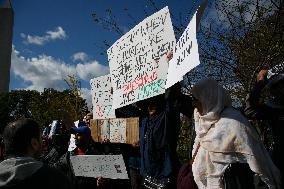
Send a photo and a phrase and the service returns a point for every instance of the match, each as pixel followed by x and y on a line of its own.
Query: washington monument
pixel 6 33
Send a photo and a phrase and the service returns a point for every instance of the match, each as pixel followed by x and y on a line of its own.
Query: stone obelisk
pixel 6 33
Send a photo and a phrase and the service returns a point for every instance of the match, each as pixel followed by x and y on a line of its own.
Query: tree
pixel 74 85
pixel 4 114
pixel 249 36
pixel 185 139
pixel 43 107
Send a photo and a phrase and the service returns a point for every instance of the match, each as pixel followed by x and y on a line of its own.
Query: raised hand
pixel 262 75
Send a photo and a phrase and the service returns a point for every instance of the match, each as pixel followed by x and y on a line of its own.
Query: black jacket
pixel 273 114
pixel 25 172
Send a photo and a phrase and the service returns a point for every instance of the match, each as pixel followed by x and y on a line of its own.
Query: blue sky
pixel 52 39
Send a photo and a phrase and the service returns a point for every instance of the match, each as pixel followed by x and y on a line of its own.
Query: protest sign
pixel 138 61
pixel 122 130
pixel 185 56
pixel 105 129
pixel 113 130
pixel 106 166
pixel 132 130
pixel 117 130
pixel 101 90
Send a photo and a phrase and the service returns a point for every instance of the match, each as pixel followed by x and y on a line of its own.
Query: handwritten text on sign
pixel 138 59
pixel 118 130
pixel 185 56
pixel 105 129
pixel 114 130
pixel 106 166
pixel 102 97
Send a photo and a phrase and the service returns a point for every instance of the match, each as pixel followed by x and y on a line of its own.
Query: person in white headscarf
pixel 224 137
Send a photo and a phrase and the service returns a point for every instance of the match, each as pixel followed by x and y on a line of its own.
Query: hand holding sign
pixel 169 56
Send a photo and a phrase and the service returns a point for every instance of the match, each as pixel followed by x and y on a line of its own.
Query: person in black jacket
pixel 158 135
pixel 272 112
pixel 21 169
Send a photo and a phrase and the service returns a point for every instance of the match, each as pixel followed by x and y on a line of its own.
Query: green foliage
pixel 245 37
pixel 43 107
pixel 4 115
pixel 185 140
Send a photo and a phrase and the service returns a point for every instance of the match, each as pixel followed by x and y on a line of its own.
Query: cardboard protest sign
pixel 122 130
pixel 113 129
pixel 101 90
pixel 106 166
pixel 117 130
pixel 185 56
pixel 132 130
pixel 105 129
pixel 138 62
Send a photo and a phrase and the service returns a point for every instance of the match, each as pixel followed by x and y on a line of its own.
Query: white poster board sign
pixel 101 90
pixel 114 130
pixel 138 61
pixel 106 166
pixel 185 56
pixel 118 130
pixel 105 130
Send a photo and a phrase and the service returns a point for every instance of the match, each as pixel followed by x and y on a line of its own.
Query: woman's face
pixel 197 104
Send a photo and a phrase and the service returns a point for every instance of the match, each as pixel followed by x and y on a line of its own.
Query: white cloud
pixel 58 33
pixel 47 72
pixel 79 56
pixel 90 70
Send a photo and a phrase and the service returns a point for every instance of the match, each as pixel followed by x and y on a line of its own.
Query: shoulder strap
pixel 193 157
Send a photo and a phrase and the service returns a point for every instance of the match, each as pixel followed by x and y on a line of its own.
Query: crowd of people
pixel 227 152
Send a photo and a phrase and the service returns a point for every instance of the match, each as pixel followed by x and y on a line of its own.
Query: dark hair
pixel 18 134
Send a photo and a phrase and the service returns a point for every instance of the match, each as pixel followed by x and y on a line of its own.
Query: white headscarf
pixel 214 98
pixel 225 137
